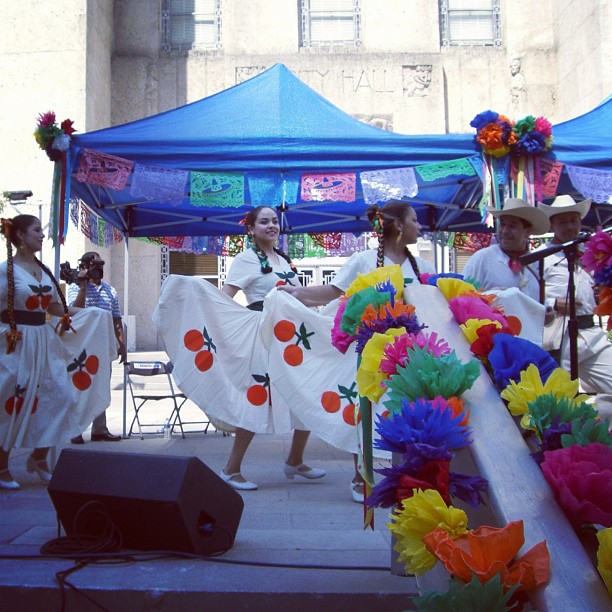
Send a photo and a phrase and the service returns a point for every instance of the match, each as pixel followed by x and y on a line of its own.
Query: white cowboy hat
pixel 515 207
pixel 565 203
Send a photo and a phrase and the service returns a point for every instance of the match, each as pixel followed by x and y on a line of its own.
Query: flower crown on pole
pixel 51 138
pixel 497 135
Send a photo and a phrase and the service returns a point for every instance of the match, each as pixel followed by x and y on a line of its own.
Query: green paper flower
pixel 429 376
pixel 474 596
pixel 548 410
pixel 586 431
pixel 357 303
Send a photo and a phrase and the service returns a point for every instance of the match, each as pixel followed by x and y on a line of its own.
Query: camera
pixel 68 274
pixel 95 270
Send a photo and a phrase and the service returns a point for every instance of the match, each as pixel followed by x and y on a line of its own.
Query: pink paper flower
pixel 341 340
pixel 598 252
pixel 543 126
pixel 395 353
pixel 46 119
pixel 581 478
pixel 466 307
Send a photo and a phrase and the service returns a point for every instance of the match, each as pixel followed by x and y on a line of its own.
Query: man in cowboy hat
pixel 594 350
pixel 497 268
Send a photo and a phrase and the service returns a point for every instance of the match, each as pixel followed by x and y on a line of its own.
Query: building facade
pixel 410 66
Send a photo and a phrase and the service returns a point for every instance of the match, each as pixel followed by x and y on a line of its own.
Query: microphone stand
pixel 571 253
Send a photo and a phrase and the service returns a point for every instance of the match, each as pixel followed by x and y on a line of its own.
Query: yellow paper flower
pixel 604 557
pixel 369 376
pixel 391 273
pixel 452 287
pixel 530 386
pixel 471 327
pixel 420 515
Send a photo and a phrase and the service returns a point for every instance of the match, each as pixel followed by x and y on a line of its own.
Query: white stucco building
pixel 417 66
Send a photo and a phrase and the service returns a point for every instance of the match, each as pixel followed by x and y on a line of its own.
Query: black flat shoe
pixel 77 440
pixel 105 437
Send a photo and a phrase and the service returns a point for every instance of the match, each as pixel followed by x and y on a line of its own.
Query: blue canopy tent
pixel 272 130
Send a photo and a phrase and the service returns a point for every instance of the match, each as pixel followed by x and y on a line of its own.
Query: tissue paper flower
pixel 487 551
pixel 474 596
pixel 356 305
pixel 493 133
pixel 482 344
pixel 604 557
pixel 401 481
pixel 510 356
pixel 341 340
pixel 468 488
pixel 395 354
pixel 533 136
pixel 379 320
pixel 581 479
pixel 529 387
pixel 391 273
pixel 598 252
pixel 471 328
pixel 420 426
pixel 549 410
pixel 452 287
pixel 432 279
pixel 427 376
pixel 418 516
pixel 369 376
pixel 466 307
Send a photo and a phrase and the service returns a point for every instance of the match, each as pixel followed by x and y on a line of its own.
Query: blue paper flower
pixel 482 119
pixel 511 355
pixel 468 488
pixel 433 279
pixel 421 427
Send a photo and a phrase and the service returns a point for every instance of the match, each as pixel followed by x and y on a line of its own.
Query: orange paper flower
pixel 488 551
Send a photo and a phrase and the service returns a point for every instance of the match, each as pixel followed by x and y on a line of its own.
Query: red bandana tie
pixel 514 262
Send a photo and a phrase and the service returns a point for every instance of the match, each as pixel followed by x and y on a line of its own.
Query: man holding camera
pixel 88 289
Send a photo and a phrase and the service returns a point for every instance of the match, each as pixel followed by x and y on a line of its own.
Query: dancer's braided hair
pixel 382 221
pixel 9 228
pixel 249 220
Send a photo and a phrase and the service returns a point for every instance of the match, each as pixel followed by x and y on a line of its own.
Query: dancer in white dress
pixel 50 385
pixel 397 226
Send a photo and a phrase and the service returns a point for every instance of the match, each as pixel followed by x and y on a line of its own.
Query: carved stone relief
pixel 416 80
pixel 518 90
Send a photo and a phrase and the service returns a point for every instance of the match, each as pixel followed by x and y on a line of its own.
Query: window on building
pixel 191 24
pixel 330 23
pixel 470 22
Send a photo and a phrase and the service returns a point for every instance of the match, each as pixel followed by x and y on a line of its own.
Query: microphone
pixel 555 248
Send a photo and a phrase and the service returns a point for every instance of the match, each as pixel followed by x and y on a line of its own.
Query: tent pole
pixel 126 294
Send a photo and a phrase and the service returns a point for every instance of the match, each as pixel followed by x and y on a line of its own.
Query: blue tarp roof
pixel 275 127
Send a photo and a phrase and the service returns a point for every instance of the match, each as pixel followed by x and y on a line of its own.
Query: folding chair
pixel 143 390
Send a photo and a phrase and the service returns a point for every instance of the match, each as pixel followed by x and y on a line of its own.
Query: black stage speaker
pixel 157 502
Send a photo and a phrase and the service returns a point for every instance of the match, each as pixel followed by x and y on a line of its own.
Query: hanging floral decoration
pixel 55 140
pixel 52 138
pixel 511 154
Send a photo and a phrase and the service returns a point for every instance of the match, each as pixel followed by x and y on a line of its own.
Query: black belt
pixel 25 317
pixel 585 321
pixel 255 305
